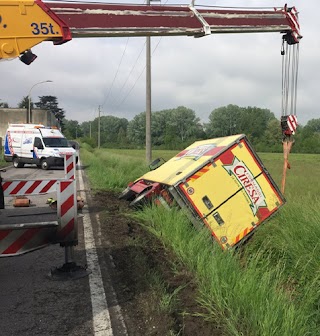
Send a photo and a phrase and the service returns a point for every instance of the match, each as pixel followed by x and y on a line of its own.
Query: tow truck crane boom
pixel 26 23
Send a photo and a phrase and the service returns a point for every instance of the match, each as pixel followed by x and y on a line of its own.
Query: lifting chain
pixel 289 122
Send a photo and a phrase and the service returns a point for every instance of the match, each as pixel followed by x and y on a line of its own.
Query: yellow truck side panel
pixel 272 197
pixel 208 188
pixel 232 195
pixel 216 182
pixel 231 219
pixel 243 153
pixel 236 218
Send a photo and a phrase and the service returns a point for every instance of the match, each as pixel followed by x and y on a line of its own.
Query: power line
pixel 135 63
pixel 115 76
pixel 134 84
pixel 118 68
pixel 110 88
pixel 122 101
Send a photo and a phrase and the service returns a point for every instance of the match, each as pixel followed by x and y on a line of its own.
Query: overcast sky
pixel 201 74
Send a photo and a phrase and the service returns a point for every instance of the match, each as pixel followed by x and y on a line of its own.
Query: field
pixel 270 286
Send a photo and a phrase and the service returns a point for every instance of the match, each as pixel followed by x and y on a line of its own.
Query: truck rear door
pixel 232 194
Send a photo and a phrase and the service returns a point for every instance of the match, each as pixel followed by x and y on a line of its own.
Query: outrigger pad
pixel 69 271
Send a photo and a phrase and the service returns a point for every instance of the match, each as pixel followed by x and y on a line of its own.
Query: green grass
pixel 245 300
pixel 302 178
pixel 271 286
pixel 108 170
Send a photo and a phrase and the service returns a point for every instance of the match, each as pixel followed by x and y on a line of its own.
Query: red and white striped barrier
pixel 28 187
pixel 67 213
pixel 17 239
pixel 16 242
pixel 70 167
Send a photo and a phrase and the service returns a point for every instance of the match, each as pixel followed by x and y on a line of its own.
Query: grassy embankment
pixel 273 286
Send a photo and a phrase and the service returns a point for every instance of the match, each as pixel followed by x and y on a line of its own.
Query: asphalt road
pixel 33 303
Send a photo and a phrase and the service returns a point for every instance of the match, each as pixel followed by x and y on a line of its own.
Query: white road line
pixel 101 316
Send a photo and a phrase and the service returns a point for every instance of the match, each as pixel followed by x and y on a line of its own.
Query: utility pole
pixel 90 129
pixel 148 98
pixel 99 128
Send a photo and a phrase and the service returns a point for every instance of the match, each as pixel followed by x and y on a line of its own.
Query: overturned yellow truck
pixel 222 184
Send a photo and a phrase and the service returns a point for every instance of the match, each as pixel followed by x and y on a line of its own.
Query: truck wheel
pixel 127 194
pixel 44 164
pixel 16 163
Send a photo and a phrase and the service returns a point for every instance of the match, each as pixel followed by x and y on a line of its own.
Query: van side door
pixel 26 145
pixel 38 148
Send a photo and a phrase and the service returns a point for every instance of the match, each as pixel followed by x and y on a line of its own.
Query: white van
pixel 30 143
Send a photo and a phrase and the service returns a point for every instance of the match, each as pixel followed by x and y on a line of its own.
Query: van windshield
pixel 56 142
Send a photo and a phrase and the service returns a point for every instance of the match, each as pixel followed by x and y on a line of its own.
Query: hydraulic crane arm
pixel 85 20
pixel 58 22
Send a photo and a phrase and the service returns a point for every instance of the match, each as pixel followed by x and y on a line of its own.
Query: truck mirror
pixel 156 163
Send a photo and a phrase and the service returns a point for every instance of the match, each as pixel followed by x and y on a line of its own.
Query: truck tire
pixel 44 164
pixel 16 163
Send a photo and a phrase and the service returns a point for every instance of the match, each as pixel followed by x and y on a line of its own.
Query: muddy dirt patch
pixel 156 293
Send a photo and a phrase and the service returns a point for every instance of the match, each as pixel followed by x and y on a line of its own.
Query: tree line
pixel 179 127
pixel 49 103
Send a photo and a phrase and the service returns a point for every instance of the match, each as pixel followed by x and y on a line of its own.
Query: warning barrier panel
pixel 67 213
pixel 16 242
pixel 19 238
pixel 69 167
pixel 28 187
